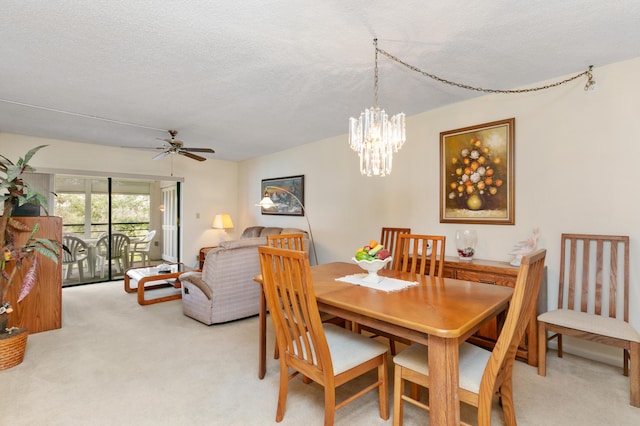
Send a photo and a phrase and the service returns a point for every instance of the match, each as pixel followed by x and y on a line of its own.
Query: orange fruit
pixel 373 243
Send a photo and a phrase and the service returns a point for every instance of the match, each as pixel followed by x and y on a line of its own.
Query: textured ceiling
pixel 252 77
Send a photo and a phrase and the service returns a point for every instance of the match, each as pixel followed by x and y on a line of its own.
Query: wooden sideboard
pixel 41 310
pixel 499 273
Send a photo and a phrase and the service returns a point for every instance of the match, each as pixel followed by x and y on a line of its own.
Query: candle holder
pixel 466 241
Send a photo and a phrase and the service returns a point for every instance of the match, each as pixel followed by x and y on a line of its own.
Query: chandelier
pixel 375 136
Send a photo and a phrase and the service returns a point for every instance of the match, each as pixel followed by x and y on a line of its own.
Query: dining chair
pixel 593 301
pixel 119 252
pixel 142 248
pixel 388 238
pixel 322 352
pixel 482 373
pixel 77 254
pixel 296 242
pixel 290 242
pixel 413 253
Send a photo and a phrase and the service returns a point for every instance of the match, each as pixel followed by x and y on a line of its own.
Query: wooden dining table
pixel 440 312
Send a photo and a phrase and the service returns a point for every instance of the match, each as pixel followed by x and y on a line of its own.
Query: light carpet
pixel 116 362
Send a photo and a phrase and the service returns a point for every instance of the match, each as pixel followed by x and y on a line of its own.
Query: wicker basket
pixel 12 347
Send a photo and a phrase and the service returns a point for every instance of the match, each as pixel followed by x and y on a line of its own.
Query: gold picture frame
pixel 477 176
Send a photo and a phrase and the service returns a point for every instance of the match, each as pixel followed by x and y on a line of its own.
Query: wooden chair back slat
pixel 613 276
pixel 584 295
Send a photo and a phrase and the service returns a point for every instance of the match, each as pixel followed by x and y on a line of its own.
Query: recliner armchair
pixel 225 290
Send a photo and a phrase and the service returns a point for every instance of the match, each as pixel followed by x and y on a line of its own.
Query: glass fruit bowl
pixel 372 267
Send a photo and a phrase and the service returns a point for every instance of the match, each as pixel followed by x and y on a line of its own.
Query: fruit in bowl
pixel 372 251
pixel 372 258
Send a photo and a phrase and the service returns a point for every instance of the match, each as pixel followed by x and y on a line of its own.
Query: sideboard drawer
pixel 480 277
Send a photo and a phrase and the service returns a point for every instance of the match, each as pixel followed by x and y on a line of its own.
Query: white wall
pixel 209 187
pixel 575 159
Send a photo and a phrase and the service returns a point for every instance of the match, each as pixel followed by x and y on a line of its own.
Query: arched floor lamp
pixel 267 202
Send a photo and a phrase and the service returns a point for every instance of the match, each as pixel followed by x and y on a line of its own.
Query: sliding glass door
pixel 106 222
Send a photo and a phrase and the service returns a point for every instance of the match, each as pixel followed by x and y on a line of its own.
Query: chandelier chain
pixel 375 74
pixel 477 89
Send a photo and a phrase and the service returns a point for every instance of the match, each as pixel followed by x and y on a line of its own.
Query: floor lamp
pixel 267 202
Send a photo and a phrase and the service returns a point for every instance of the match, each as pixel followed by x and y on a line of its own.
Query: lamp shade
pixel 222 221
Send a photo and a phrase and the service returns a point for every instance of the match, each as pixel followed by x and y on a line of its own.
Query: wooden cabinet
pixel 41 310
pixel 499 273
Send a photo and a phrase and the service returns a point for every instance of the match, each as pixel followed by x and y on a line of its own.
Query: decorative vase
pixel 474 202
pixel 26 210
pixel 12 347
pixel 466 241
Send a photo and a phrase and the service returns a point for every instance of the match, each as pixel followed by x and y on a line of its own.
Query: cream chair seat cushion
pixel 473 361
pixel 348 349
pixel 596 324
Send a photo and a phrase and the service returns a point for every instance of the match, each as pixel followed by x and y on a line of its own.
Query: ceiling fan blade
pixel 161 155
pixel 209 150
pixel 143 147
pixel 192 156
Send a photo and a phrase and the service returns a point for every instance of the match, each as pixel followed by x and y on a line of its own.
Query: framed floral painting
pixel 477 179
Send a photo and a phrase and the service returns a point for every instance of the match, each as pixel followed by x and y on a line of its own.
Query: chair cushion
pixel 473 361
pixel 597 324
pixel 349 349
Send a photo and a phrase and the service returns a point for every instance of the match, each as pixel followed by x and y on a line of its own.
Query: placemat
pixel 387 284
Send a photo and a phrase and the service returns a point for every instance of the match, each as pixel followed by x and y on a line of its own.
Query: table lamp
pixel 222 221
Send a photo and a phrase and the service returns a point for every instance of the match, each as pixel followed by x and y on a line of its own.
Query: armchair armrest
pixel 195 278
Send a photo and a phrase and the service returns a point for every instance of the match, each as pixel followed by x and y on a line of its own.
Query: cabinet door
pixel 41 310
pixel 487 335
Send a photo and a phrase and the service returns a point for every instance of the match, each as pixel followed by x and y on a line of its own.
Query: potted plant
pixel 16 192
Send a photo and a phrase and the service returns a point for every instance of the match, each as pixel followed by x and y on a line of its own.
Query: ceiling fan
pixel 176 146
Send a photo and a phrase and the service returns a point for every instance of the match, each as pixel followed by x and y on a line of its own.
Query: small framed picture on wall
pixel 286 195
